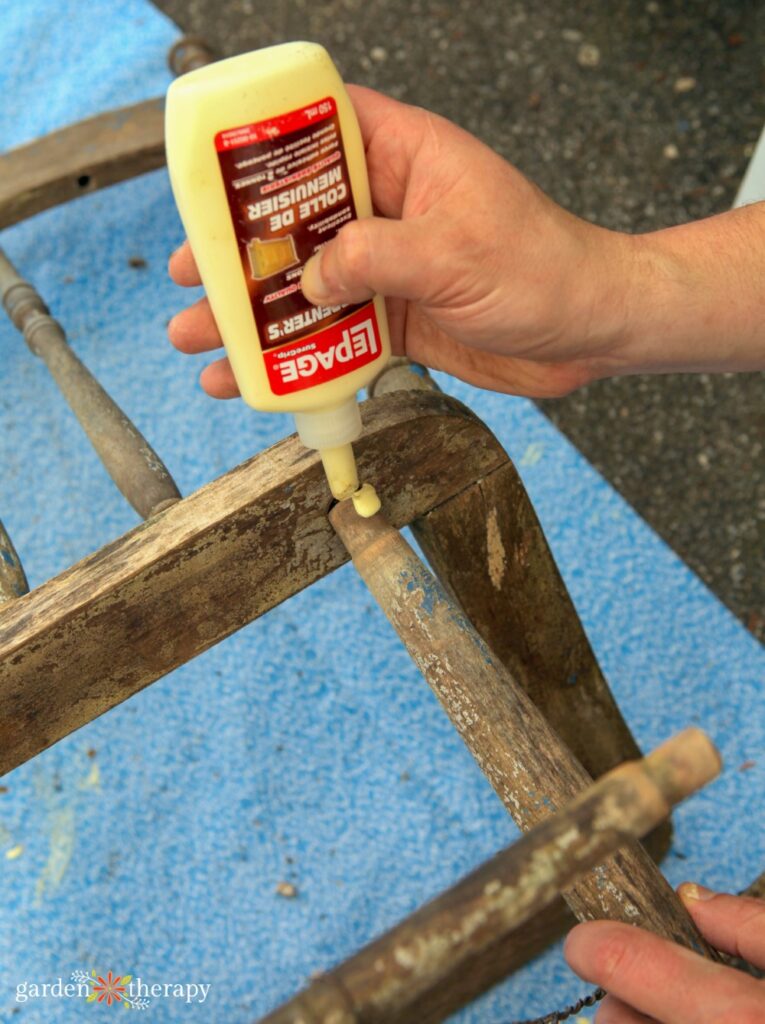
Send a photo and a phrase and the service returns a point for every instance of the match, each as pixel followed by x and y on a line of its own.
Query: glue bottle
pixel 266 163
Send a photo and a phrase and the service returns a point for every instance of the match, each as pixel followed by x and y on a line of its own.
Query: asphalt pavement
pixel 634 115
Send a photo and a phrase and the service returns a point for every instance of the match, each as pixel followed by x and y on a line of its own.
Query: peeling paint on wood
pixel 399 976
pixel 510 738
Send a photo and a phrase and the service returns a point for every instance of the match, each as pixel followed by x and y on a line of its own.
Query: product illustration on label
pixel 269 258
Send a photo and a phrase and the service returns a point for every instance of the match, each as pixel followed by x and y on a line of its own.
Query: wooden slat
pixel 488 548
pixel 512 591
pixel 81 158
pixel 174 586
pixel 91 154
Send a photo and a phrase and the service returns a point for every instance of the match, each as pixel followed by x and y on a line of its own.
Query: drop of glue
pixel 365 501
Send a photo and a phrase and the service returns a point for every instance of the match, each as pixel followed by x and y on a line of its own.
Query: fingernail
pixel 690 891
pixel 312 283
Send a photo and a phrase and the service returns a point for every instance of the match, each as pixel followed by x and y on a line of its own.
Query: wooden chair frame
pixel 203 566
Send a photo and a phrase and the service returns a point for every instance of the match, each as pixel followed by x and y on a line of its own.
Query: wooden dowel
pixel 531 769
pixel 13 581
pixel 387 980
pixel 129 459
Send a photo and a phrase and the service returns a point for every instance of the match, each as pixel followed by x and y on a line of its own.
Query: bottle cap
pixel 329 428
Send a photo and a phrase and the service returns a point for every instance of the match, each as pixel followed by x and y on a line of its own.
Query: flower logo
pixel 110 989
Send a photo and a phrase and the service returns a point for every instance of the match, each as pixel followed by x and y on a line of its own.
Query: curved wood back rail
pixel 91 154
pixel 219 558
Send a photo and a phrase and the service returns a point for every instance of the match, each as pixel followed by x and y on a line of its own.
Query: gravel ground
pixel 633 115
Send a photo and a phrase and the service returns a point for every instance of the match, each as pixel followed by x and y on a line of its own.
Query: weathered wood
pixel 128 457
pixel 529 766
pixel 481 971
pixel 489 550
pixel 81 158
pixel 487 547
pixel 13 580
pixel 138 618
pixel 91 154
pixel 388 981
pixel 120 145
pixel 511 590
pixel 401 374
pixel 174 586
pixel 123 143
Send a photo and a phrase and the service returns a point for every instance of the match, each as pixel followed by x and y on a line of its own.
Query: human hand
pixel 487 278
pixel 652 980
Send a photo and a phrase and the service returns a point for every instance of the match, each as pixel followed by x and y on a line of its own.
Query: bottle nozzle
pixel 340 466
pixel 330 432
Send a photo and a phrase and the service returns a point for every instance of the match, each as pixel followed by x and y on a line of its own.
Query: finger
pixel 734 924
pixel 194 329
pixel 370 256
pixel 374 110
pixel 391 132
pixel 218 380
pixel 399 139
pixel 659 978
pixel 614 1011
pixel 182 267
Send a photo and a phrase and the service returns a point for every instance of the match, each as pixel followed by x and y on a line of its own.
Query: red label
pixel 326 355
pixel 261 131
pixel 289 193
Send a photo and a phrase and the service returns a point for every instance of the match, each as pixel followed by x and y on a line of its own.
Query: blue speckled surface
pixel 306 748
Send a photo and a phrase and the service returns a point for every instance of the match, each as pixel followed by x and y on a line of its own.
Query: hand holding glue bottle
pixel 266 163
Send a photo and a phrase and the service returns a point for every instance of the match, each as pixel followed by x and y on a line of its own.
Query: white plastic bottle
pixel 267 163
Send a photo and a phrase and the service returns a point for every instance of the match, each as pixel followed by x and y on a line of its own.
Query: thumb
pixel 734 924
pixel 366 257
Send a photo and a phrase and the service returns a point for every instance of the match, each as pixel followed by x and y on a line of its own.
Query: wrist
pixel 654 310
pixel 659 288
pixel 616 272
pixel 691 299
